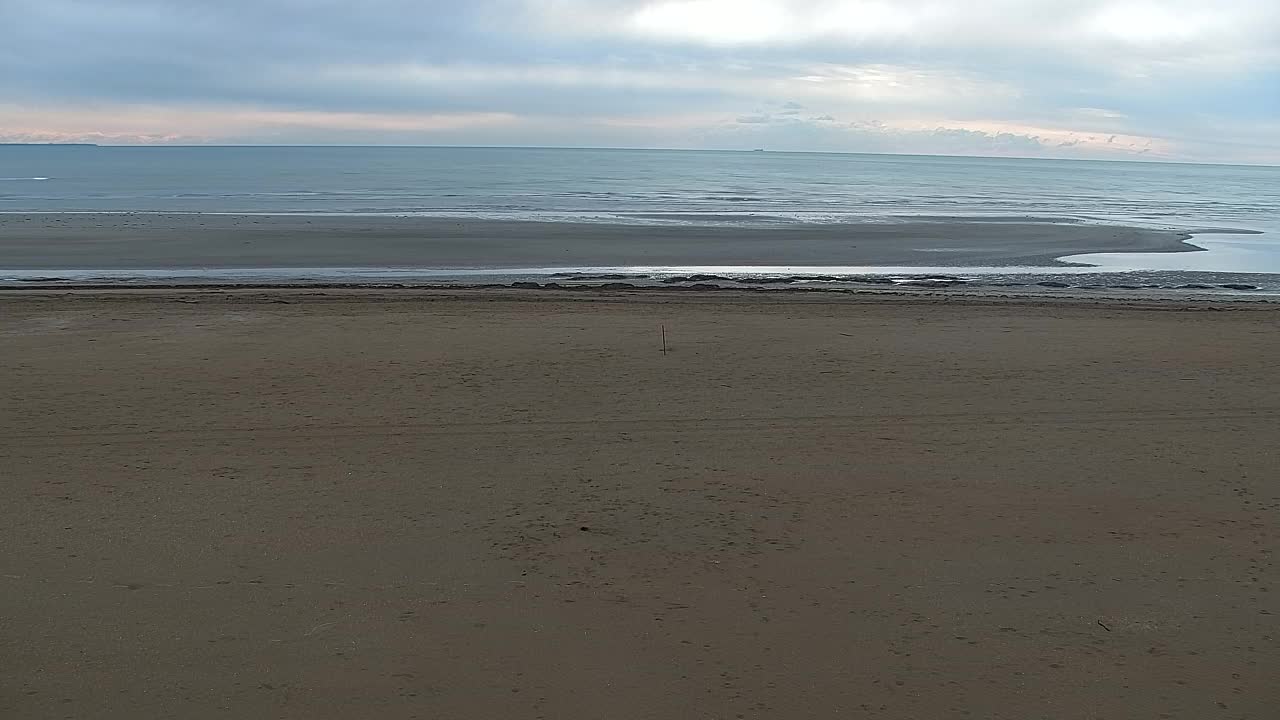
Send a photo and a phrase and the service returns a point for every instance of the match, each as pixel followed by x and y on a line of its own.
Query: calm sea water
pixel 636 186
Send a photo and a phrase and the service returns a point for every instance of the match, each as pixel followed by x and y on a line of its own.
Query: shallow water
pixel 1222 254
pixel 665 188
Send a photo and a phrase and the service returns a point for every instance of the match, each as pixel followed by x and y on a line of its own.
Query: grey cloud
pixel 1030 63
pixel 1002 142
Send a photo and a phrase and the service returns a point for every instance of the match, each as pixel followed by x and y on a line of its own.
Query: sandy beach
pixel 154 240
pixel 505 504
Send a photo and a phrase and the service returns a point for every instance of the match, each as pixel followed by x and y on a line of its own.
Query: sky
pixel 1182 80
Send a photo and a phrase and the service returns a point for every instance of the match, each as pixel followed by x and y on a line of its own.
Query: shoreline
pixel 326 294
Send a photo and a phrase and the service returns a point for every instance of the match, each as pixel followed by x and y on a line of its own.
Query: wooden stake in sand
pixel 664 339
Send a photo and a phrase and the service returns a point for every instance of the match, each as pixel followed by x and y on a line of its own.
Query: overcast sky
pixel 1155 79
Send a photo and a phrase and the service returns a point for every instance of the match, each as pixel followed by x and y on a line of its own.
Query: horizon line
pixel 631 149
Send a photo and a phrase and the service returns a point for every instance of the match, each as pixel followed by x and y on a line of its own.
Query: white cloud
pixel 1129 31
pixel 712 21
pixel 904 86
pixel 732 22
pixel 1153 24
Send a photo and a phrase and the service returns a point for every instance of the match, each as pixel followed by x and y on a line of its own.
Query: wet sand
pixel 504 504
pixel 106 241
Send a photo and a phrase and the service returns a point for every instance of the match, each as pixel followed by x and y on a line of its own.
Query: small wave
pixel 24 179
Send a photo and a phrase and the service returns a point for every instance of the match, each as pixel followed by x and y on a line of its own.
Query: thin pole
pixel 664 339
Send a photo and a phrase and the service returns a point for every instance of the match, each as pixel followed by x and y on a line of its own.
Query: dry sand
pixel 513 505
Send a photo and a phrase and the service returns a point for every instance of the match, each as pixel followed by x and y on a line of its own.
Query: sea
pixel 679 187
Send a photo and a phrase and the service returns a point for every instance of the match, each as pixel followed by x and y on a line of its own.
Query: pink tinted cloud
pixel 157 125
